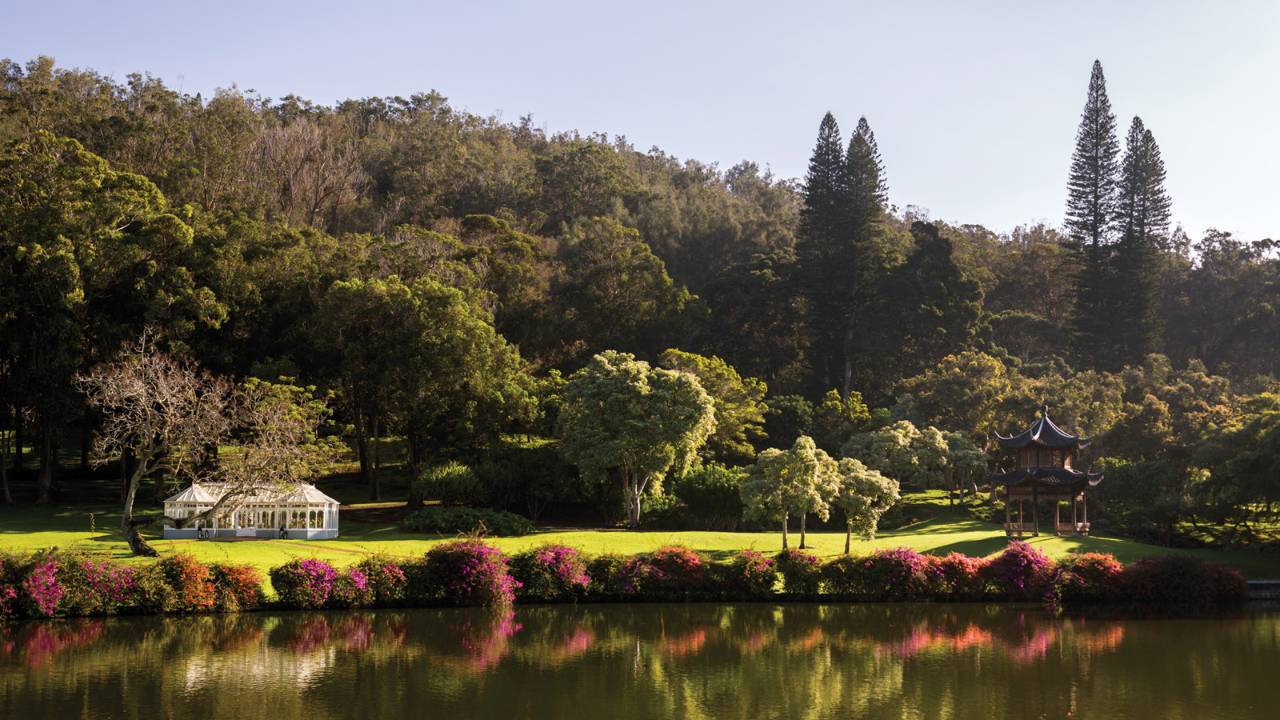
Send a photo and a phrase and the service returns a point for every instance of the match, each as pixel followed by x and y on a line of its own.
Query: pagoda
pixel 1045 454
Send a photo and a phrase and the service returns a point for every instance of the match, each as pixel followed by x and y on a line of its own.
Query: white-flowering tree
pixel 797 481
pixel 864 496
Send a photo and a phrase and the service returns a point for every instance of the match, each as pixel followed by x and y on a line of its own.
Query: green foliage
pixel 711 495
pixel 837 418
pixel 863 496
pixel 438 520
pixel 739 403
pixel 628 423
pixel 452 483
pixel 788 417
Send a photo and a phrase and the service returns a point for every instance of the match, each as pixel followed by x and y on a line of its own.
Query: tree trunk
pixel 128 525
pixel 17 440
pixel 802 535
pixel 362 448
pixel 784 531
pixel 86 437
pixel 848 537
pixel 46 464
pixel 375 488
pixel 5 439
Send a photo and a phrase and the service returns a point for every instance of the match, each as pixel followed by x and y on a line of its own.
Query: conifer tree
pixel 823 228
pixel 1091 204
pixel 1141 223
pixel 862 256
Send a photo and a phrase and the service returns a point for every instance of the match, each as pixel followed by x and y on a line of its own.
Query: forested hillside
pixel 436 275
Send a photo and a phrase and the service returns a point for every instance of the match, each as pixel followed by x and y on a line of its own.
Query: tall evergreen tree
pixel 1141 222
pixel 823 229
pixel 1091 203
pixel 863 255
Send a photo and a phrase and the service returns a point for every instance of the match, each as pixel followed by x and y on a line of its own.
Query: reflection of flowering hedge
pixel 469 572
pixel 550 573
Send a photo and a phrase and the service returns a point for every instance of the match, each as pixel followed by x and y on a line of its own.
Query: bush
pixel 468 572
pixel 42 592
pixel 664 512
pixel 1183 581
pixel 1090 577
pixel 451 483
pixel 439 520
pixel 550 573
pixel 750 574
pixel 8 589
pixel 801 572
pixel 95 587
pixel 236 587
pixel 190 584
pixel 709 494
pixel 897 574
pixel 386 579
pixel 959 577
pixel 304 584
pixel 351 589
pixel 677 570
pixel 528 477
pixel 1020 573
pixel 606 576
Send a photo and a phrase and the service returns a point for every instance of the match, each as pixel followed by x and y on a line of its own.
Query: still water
pixel 646 661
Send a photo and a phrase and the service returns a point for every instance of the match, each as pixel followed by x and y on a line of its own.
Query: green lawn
pixel 941 530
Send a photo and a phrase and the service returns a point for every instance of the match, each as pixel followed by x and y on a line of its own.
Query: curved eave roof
pixel 1048 477
pixel 1043 432
pixel 208 493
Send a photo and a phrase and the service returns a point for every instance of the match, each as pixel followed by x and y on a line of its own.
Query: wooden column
pixel 1075 525
pixel 1035 506
pixel 1057 515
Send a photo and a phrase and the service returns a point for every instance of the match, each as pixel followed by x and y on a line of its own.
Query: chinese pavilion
pixel 1045 454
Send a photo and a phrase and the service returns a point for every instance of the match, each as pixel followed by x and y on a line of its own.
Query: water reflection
pixel 642 661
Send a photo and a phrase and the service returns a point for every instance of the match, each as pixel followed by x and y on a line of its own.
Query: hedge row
pixel 471 573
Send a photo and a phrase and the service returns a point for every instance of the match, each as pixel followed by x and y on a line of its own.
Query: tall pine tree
pixel 823 228
pixel 1141 223
pixel 1091 209
pixel 863 254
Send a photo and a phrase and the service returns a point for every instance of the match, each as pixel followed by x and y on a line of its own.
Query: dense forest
pixel 441 277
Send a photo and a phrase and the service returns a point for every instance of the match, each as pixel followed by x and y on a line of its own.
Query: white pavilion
pixel 302 512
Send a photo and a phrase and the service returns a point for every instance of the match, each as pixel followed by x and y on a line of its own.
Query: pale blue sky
pixel 975 104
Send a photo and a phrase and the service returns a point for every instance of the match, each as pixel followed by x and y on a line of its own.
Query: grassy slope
pixel 939 530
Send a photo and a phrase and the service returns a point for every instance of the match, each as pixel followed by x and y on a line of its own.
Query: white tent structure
pixel 302 512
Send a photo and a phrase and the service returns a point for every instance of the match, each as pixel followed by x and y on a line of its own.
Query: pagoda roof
pixel 1047 477
pixel 1043 432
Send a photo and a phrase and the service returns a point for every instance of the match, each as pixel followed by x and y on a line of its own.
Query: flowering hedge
pixel 469 572
pixel 550 573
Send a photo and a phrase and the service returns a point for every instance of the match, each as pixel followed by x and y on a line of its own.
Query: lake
pixel 646 661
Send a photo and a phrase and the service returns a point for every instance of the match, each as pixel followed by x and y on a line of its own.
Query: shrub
pixel 526 477
pixel 387 580
pixel 41 590
pixel 95 587
pixel 190 581
pixel 843 576
pixel 351 589
pixel 420 588
pixel 236 587
pixel 606 576
pixel 549 573
pixel 749 574
pixel 439 520
pixel 710 497
pixel 801 572
pixel 1090 577
pixel 896 574
pixel 677 570
pixel 304 583
pixel 8 589
pixel 664 512
pixel 1020 573
pixel 1183 581
pixel 468 572
pixel 451 483
pixel 959 577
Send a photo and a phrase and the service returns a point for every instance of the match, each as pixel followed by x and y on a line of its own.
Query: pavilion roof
pixel 1043 432
pixel 1047 477
pixel 210 493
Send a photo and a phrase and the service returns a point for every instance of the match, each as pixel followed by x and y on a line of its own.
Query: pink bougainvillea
pixel 469 572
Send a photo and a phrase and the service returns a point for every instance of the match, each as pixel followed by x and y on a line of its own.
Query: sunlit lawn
pixel 27 528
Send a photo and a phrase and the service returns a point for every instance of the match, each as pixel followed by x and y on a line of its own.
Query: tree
pixel 1141 222
pixel 624 422
pixel 739 402
pixel 161 411
pixel 910 455
pixel 799 481
pixel 837 418
pixel 926 309
pixel 864 496
pixel 1091 208
pixel 966 391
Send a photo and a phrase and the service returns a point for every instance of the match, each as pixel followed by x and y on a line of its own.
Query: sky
pixel 974 104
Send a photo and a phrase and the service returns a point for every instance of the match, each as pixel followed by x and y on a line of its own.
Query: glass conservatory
pixel 301 512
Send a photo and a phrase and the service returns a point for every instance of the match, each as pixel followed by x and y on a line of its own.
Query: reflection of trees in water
pixel 686 660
